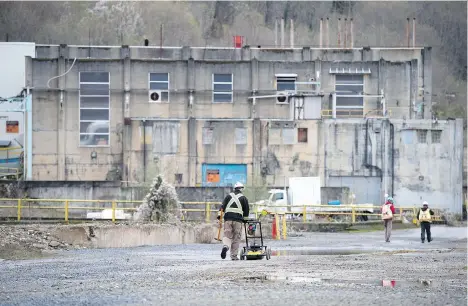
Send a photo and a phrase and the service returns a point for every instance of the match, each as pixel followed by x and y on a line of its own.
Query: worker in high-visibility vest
pixel 236 210
pixel 424 216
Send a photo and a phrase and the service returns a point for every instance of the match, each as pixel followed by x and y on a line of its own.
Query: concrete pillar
pixel 256 150
pixel 190 85
pixel 413 88
pixel 334 105
pixel 192 152
pixel 254 85
pixel 245 55
pixel 28 123
pixel 127 130
pixel 427 82
pixel 61 114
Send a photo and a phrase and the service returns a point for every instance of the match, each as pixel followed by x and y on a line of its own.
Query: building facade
pixel 357 118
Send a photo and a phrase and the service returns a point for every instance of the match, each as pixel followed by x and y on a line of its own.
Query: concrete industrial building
pixel 360 118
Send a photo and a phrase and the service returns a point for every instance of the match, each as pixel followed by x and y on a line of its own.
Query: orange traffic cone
pixel 273 228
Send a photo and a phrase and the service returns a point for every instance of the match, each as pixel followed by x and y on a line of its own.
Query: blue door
pixel 223 175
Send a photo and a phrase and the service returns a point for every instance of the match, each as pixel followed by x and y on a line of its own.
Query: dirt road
pixel 317 268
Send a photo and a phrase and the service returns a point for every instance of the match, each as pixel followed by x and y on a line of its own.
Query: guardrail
pixel 115 210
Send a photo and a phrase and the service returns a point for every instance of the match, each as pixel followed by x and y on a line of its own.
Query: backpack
pixel 386 212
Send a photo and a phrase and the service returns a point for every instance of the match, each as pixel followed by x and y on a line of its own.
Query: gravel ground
pixel 317 268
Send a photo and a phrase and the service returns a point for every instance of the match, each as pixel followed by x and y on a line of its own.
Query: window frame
pixel 222 92
pixel 419 136
pixel 344 96
pixel 161 90
pixel 436 132
pixel 286 77
pixel 80 145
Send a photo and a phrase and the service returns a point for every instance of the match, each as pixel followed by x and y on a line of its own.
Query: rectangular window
pixel 12 127
pixel 436 135
pixel 346 87
pixel 302 135
pixel 422 136
pixel 284 83
pixel 158 82
pixel 222 88
pixel 94 99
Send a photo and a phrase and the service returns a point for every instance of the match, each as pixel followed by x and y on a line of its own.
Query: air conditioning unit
pixel 154 96
pixel 282 97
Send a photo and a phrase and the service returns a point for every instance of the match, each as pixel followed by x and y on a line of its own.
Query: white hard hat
pixel 238 185
pixel 425 203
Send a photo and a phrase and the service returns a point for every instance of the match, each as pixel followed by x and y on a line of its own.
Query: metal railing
pixel 115 210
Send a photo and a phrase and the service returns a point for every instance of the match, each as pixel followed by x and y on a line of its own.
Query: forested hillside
pixel 442 25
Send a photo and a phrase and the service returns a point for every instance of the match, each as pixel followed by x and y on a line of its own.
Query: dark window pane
pixel 222 78
pixel 280 86
pixel 349 101
pixel 94 127
pixel 159 86
pixel 302 135
pixel 349 79
pixel 94 102
pixel 222 87
pixel 94 140
pixel 348 89
pixel 96 77
pixel 222 98
pixel 159 77
pixel 94 89
pixel 94 114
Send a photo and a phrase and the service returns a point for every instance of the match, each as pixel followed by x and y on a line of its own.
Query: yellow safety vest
pixel 424 216
pixel 234 199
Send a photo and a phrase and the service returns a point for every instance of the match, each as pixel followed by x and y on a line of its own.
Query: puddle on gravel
pixel 307 279
pixel 317 252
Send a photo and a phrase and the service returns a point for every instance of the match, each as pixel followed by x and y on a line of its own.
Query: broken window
pixel 349 89
pixel 302 135
pixel 422 136
pixel 436 135
pixel 159 87
pixel 94 103
pixel 12 127
pixel 222 88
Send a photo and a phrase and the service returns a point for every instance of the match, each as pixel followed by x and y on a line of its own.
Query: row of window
pixel 94 98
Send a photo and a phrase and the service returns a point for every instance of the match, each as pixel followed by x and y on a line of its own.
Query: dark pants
pixel 426 229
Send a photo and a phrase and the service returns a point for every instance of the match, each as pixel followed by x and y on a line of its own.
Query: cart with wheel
pixel 254 247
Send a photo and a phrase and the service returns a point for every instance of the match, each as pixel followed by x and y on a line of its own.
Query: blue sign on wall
pixel 223 175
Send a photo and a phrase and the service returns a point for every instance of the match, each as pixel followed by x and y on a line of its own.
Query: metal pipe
pixel 291 34
pixel 351 40
pixel 414 32
pixel 276 32
pixel 321 34
pixel 339 32
pixel 345 33
pixel 407 32
pixel 144 151
pixel 282 32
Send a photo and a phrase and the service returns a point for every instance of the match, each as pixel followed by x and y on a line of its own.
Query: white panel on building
pixel 312 107
pixel 241 136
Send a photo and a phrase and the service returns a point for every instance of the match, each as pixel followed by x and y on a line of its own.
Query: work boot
pixel 422 240
pixel 235 258
pixel 224 251
pixel 429 240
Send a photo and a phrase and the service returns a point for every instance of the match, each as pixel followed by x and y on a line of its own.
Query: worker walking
pixel 424 216
pixel 236 208
pixel 388 210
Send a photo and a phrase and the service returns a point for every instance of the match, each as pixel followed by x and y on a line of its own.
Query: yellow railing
pixel 209 210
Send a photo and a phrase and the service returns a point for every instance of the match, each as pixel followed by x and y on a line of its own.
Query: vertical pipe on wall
pixel 291 34
pixel 276 32
pixel 321 33
pixel 407 33
pixel 282 32
pixel 345 33
pixel 351 40
pixel 327 29
pixel 29 129
pixel 339 32
pixel 414 32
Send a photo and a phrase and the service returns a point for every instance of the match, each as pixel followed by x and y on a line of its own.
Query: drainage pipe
pixel 392 139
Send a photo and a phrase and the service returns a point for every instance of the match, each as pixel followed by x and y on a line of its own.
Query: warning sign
pixel 212 175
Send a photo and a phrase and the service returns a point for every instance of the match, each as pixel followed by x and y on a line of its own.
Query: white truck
pixel 303 191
